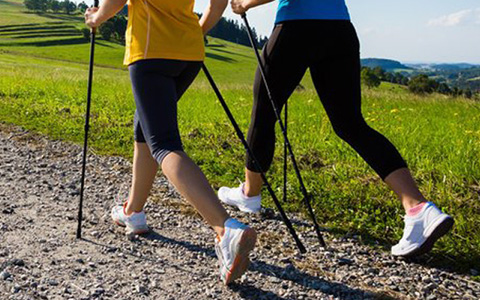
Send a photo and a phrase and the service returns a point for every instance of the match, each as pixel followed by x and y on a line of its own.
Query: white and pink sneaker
pixel 236 197
pixel 233 250
pixel 135 223
pixel 422 230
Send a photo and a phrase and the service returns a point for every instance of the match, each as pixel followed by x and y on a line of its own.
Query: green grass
pixel 43 88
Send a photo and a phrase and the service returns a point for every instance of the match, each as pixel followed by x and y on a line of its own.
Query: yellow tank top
pixel 166 29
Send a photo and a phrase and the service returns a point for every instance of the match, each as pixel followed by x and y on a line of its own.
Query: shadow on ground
pixel 442 261
pixel 60 16
pixel 59 42
pixel 33 29
pixel 220 57
pixel 247 291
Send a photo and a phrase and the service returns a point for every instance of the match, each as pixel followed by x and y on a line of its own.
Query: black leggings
pixel 330 48
pixel 157 86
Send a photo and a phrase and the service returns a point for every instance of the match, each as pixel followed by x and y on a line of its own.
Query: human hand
pixel 240 6
pixel 91 17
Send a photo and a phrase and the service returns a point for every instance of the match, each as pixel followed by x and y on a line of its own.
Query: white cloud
pixel 463 17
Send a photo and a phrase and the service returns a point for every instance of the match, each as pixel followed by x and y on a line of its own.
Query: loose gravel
pixel 40 258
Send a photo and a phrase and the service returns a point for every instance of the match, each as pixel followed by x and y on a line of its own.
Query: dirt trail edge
pixel 41 259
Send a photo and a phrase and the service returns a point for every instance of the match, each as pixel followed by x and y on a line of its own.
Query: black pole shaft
pixel 285 156
pixel 87 126
pixel 282 127
pixel 255 162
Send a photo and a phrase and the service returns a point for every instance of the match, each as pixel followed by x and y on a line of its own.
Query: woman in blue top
pixel 318 35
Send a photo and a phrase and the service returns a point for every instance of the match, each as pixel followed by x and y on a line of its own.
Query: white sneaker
pixel 236 197
pixel 233 250
pixel 136 223
pixel 422 231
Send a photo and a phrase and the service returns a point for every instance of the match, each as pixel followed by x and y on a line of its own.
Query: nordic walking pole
pixel 255 162
pixel 93 32
pixel 285 156
pixel 282 127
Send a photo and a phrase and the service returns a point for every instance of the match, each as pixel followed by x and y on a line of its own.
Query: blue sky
pixel 407 30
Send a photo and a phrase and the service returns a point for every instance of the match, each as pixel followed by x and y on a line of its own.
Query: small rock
pixel 52 282
pixel 429 287
pixel 344 261
pixel 79 260
pixel 8 211
pixel 141 289
pixel 426 279
pixel 17 262
pixel 431 297
pixel 5 275
pixel 98 291
pixel 267 213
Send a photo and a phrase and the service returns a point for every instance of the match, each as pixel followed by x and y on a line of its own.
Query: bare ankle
pixel 248 192
pixel 410 203
pixel 130 210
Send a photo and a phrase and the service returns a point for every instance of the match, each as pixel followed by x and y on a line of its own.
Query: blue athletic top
pixel 312 10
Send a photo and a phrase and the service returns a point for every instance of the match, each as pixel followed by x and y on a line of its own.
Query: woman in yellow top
pixel 164 53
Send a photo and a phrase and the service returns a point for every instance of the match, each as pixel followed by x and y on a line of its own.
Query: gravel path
pixel 41 259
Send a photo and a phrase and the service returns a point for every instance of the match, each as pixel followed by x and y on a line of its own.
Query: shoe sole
pixel 241 208
pixel 441 229
pixel 242 261
pixel 142 231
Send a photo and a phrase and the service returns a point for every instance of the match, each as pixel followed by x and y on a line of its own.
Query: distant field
pixel 43 88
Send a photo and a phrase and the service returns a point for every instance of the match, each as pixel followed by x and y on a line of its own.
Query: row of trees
pixel 54 6
pixel 232 31
pixel 418 84
pixel 373 77
pixel 422 84
pixel 114 29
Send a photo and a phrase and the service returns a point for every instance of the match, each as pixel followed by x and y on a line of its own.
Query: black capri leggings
pixel 157 86
pixel 330 48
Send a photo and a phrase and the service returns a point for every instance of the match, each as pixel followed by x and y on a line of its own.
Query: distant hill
pixel 453 67
pixel 443 67
pixel 386 64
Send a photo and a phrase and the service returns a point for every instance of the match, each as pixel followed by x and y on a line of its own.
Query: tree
pixel 379 72
pixel 106 30
pixel 119 23
pixel 86 33
pixel 443 88
pixel 68 6
pixel 114 29
pixel 369 78
pixel 55 6
pixel 82 6
pixel 468 94
pixel 36 5
pixel 421 84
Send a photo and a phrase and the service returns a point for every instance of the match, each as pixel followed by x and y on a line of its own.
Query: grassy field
pixel 43 88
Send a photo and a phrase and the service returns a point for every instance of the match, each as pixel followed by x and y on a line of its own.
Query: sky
pixel 411 31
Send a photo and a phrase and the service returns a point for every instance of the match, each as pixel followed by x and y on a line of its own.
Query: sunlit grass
pixel 43 88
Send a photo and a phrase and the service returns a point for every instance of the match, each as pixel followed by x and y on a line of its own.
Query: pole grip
pixel 94 30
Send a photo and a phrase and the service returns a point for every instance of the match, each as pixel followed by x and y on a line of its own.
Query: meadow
pixel 43 65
